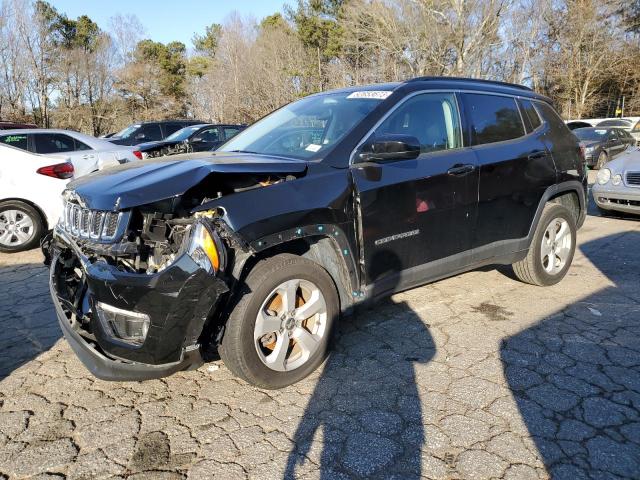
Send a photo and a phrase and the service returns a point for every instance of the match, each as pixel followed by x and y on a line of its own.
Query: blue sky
pixel 167 20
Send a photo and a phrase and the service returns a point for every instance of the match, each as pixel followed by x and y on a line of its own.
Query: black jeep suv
pixel 325 204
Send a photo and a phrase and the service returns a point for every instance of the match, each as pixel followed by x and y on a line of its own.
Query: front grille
pixel 98 225
pixel 633 178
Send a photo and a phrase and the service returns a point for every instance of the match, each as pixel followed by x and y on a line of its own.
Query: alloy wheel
pixel 16 228
pixel 556 246
pixel 290 325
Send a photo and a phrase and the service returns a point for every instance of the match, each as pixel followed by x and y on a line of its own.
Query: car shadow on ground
pixel 366 404
pixel 575 375
pixel 28 324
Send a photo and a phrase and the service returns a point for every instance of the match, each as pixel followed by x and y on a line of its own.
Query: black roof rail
pixel 467 79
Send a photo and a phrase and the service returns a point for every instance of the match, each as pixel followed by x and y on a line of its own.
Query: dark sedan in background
pixel 138 133
pixel 602 144
pixel 195 138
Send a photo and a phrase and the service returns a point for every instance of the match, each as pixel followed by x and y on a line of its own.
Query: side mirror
pixel 197 140
pixel 391 147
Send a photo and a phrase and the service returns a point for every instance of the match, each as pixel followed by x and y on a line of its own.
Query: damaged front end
pixel 136 288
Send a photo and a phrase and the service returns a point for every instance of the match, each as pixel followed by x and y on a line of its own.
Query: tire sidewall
pixel 243 318
pixel 551 213
pixel 37 223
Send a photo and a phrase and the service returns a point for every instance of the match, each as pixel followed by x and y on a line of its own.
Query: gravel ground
pixel 477 376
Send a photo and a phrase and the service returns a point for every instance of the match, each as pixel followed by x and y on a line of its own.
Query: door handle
pixel 461 169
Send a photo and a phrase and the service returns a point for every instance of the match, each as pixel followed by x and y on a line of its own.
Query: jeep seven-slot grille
pixel 633 178
pixel 91 224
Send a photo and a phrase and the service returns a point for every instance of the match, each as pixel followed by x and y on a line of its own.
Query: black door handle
pixel 461 169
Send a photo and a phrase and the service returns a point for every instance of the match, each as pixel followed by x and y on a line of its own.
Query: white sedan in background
pixel 88 154
pixel 30 202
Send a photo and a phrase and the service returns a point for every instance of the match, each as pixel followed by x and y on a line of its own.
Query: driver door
pixel 417 216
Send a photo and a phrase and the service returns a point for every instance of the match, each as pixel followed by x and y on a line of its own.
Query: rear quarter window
pixel 18 141
pixel 550 116
pixel 492 118
pixel 531 114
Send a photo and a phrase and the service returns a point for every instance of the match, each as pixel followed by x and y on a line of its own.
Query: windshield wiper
pixel 244 151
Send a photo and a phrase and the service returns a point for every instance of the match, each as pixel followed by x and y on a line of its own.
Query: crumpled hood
pixel 147 181
pixel 629 160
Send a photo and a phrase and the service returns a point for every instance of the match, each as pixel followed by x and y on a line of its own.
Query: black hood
pixel 147 181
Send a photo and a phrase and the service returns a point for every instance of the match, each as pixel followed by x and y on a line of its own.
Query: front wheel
pixel 279 329
pixel 551 250
pixel 21 226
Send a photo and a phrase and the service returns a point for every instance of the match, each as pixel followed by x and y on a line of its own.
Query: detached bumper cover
pixel 177 300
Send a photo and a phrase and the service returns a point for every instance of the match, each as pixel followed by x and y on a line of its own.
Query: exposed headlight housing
pixel 124 325
pixel 617 180
pixel 204 248
pixel 604 175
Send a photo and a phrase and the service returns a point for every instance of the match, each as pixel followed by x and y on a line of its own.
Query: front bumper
pixel 178 301
pixel 621 199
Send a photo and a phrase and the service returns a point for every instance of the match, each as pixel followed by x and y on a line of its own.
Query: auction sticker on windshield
pixel 371 94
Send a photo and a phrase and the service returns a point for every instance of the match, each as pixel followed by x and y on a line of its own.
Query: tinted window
pixel 150 131
pixel 531 114
pixel 492 118
pixel 170 128
pixel 18 141
pixel 431 117
pixel 550 116
pixel 210 135
pixel 81 146
pixel 230 132
pixel 53 143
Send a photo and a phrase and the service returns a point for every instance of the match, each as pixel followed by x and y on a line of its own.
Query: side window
pixel 210 135
pixel 18 141
pixel 613 135
pixel 492 118
pixel 81 146
pixel 531 115
pixel 550 116
pixel 230 132
pixel 151 132
pixel 432 118
pixel 53 143
pixel 170 128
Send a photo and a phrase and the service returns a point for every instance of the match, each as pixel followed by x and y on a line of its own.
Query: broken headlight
pixel 203 248
pixel 124 325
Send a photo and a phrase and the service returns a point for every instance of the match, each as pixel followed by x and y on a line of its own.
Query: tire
pixel 537 268
pixel 16 213
pixel 254 357
pixel 602 159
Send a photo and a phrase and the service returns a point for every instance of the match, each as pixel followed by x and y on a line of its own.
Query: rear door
pixel 417 215
pixel 515 168
pixel 84 159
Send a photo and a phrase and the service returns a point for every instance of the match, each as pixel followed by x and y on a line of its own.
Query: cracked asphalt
pixel 477 376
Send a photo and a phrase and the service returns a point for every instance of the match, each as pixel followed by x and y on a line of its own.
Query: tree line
pixel 72 73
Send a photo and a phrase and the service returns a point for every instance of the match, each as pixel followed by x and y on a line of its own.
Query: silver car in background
pixel 617 186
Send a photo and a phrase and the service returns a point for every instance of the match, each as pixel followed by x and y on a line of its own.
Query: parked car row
pixel 37 163
pixel 602 144
pixel 630 125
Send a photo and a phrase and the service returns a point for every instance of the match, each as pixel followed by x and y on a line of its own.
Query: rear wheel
pixel 21 226
pixel 552 248
pixel 278 331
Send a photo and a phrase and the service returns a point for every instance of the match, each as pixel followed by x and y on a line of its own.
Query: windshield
pixel 182 134
pixel 127 132
pixel 308 127
pixel 597 134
